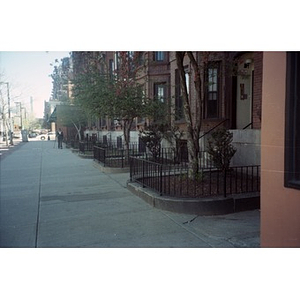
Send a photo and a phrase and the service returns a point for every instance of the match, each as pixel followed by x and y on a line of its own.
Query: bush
pixel 152 136
pixel 220 148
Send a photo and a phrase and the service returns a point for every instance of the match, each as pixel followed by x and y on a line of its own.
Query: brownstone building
pixel 232 88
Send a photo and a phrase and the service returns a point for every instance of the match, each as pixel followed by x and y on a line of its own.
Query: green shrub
pixel 220 148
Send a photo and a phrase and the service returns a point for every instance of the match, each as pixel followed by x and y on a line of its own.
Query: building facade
pixel 280 150
pixel 231 86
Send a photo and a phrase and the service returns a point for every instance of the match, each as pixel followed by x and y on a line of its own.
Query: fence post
pixel 143 169
pixel 104 157
pixel 160 179
pixel 225 174
pixel 130 168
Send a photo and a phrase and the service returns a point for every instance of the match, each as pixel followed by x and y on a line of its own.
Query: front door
pixel 244 92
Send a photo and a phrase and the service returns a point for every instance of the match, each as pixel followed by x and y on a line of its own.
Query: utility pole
pixel 31 105
pixel 9 116
pixel 20 114
pixel 10 133
pixel 3 112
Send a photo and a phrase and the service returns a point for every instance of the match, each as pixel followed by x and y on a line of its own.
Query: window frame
pixel 160 86
pixel 159 56
pixel 292 122
pixel 215 92
pixel 111 68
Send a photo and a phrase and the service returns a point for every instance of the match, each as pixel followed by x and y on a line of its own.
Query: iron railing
pixel 174 181
pixel 86 146
pixel 209 131
pixel 115 157
pixel 250 124
pixel 72 144
pixel 110 155
pixel 180 156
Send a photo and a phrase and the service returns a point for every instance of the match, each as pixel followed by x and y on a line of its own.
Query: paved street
pixel 53 198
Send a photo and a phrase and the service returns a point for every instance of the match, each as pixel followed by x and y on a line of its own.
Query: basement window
pixel 292 122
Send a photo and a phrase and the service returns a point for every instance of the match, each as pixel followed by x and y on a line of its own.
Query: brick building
pixel 232 88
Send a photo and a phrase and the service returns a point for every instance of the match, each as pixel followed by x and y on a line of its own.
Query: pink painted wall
pixel 280 206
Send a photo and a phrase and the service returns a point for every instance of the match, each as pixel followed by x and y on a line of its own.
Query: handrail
pixel 248 125
pixel 213 128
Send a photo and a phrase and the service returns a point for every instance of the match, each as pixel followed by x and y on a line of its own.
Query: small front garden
pixel 170 176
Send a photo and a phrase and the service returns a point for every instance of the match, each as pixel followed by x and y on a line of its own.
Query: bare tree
pixel 3 110
pixel 193 110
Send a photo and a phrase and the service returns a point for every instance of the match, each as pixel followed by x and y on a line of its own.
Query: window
pixel 140 58
pixel 111 68
pixel 160 95
pixel 292 121
pixel 116 61
pixel 131 60
pixel 159 56
pixel 160 92
pixel 130 54
pixel 212 91
pixel 178 94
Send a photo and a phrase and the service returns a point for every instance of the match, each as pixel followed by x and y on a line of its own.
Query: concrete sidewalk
pixel 7 149
pixel 53 198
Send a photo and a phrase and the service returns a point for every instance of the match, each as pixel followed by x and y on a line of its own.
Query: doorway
pixel 244 92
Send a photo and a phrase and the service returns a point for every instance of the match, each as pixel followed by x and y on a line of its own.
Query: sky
pixel 28 74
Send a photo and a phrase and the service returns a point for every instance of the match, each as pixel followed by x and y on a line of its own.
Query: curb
pixel 200 206
pixel 86 156
pixel 109 169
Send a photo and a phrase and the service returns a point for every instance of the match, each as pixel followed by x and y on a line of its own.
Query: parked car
pixel 48 136
pixel 32 135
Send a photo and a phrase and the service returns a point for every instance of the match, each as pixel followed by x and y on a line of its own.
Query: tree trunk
pixel 193 127
pixel 78 128
pixel 126 130
pixel 6 132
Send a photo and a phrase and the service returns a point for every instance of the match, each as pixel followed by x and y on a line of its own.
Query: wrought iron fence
pixel 87 146
pixel 179 156
pixel 72 144
pixel 175 181
pixel 111 156
pixel 115 156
